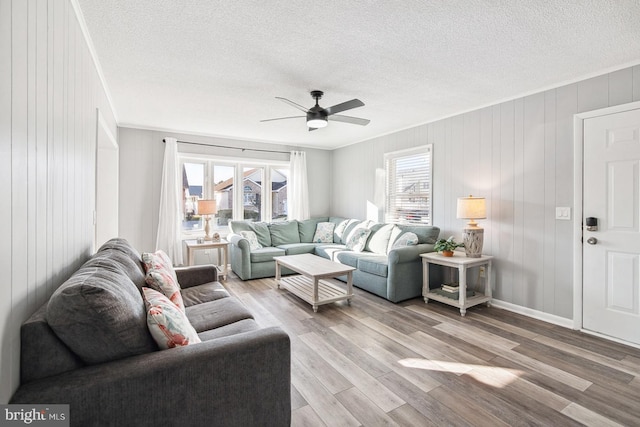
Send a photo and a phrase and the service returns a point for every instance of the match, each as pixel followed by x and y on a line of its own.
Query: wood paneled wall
pixel 49 92
pixel 517 154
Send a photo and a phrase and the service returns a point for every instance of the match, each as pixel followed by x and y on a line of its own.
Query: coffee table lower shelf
pixel 328 290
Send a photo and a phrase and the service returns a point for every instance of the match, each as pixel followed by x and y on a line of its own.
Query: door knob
pixel 592 240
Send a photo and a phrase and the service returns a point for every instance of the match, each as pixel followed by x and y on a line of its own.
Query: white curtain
pixel 168 238
pixel 298 198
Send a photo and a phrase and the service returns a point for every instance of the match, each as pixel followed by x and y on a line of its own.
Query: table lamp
pixel 472 208
pixel 206 208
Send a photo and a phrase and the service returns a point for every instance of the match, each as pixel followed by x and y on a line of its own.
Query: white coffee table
pixel 316 284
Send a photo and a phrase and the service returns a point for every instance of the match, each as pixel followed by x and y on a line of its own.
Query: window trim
pixel 240 164
pixel 394 155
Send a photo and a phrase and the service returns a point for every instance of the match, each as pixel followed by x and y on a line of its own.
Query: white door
pixel 611 267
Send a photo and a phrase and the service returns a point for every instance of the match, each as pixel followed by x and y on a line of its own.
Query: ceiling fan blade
pixel 310 129
pixel 293 104
pixel 349 119
pixel 282 118
pixel 354 103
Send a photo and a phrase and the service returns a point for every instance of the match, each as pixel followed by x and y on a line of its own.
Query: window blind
pixel 408 186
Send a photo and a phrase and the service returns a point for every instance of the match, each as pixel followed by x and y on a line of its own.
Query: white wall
pixel 49 92
pixel 141 158
pixel 519 155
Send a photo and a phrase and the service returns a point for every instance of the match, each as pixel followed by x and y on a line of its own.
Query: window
pixel 408 185
pixel 279 178
pixel 207 178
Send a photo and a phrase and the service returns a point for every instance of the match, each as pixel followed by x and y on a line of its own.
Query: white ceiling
pixel 215 67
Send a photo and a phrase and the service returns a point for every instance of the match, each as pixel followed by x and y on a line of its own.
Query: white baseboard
pixel 556 320
pixel 546 317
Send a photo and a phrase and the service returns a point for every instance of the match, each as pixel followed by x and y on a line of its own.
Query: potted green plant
pixel 447 246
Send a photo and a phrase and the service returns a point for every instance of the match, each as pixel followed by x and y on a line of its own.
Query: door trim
pixel 578 189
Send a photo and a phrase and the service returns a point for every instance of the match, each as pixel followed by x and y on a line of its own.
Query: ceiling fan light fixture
pixel 316 119
pixel 317 123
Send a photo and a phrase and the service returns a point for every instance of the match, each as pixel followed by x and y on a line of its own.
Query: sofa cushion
pixel 266 254
pixel 324 232
pixel 239 327
pixel 378 265
pixel 329 251
pixel 350 258
pixel 262 231
pixel 128 257
pixel 203 293
pixel 348 229
pixel 298 248
pixel 260 228
pixel 307 228
pixel 284 232
pixel 252 238
pixel 162 277
pixel 213 314
pixel 379 239
pixel 106 306
pixel 168 324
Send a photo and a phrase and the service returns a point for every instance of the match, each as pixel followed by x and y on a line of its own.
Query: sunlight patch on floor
pixel 494 376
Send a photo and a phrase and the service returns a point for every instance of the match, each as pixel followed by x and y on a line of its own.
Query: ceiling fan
pixel 317 117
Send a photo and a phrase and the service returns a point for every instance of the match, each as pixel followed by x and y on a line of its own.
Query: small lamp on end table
pixel 206 208
pixel 472 208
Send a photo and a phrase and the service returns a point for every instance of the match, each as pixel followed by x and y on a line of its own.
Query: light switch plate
pixel 563 213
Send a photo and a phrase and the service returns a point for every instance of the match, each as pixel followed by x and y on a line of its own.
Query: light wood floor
pixel 415 364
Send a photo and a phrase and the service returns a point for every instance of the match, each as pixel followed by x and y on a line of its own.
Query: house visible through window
pixel 408 186
pixel 215 179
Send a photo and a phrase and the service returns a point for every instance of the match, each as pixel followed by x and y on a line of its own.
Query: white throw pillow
pixel 324 232
pixel 406 239
pixel 358 239
pixel 252 238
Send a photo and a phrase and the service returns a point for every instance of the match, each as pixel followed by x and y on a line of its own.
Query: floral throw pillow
pixel 162 277
pixel 358 239
pixel 324 232
pixel 406 239
pixel 168 325
pixel 252 238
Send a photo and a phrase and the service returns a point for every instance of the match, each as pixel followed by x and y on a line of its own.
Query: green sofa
pixel 392 272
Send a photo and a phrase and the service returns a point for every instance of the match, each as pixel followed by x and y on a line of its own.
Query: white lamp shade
pixel 206 207
pixel 471 208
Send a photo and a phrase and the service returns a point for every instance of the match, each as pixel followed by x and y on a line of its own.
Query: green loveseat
pixel 392 272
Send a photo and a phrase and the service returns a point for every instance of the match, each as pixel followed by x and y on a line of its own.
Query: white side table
pixel 462 263
pixel 221 246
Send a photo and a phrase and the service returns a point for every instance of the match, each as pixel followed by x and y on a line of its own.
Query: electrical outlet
pixel 482 271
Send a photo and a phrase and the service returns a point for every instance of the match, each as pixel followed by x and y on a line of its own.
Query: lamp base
pixel 473 239
pixel 207 237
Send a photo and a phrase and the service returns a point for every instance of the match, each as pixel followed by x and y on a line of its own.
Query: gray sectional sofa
pixel 90 347
pixel 394 273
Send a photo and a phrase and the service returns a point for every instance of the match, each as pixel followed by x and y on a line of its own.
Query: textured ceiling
pixel 215 67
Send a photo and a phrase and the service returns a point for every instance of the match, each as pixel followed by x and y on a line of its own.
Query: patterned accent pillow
pixel 169 326
pixel 252 238
pixel 406 239
pixel 162 277
pixel 358 239
pixel 324 232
